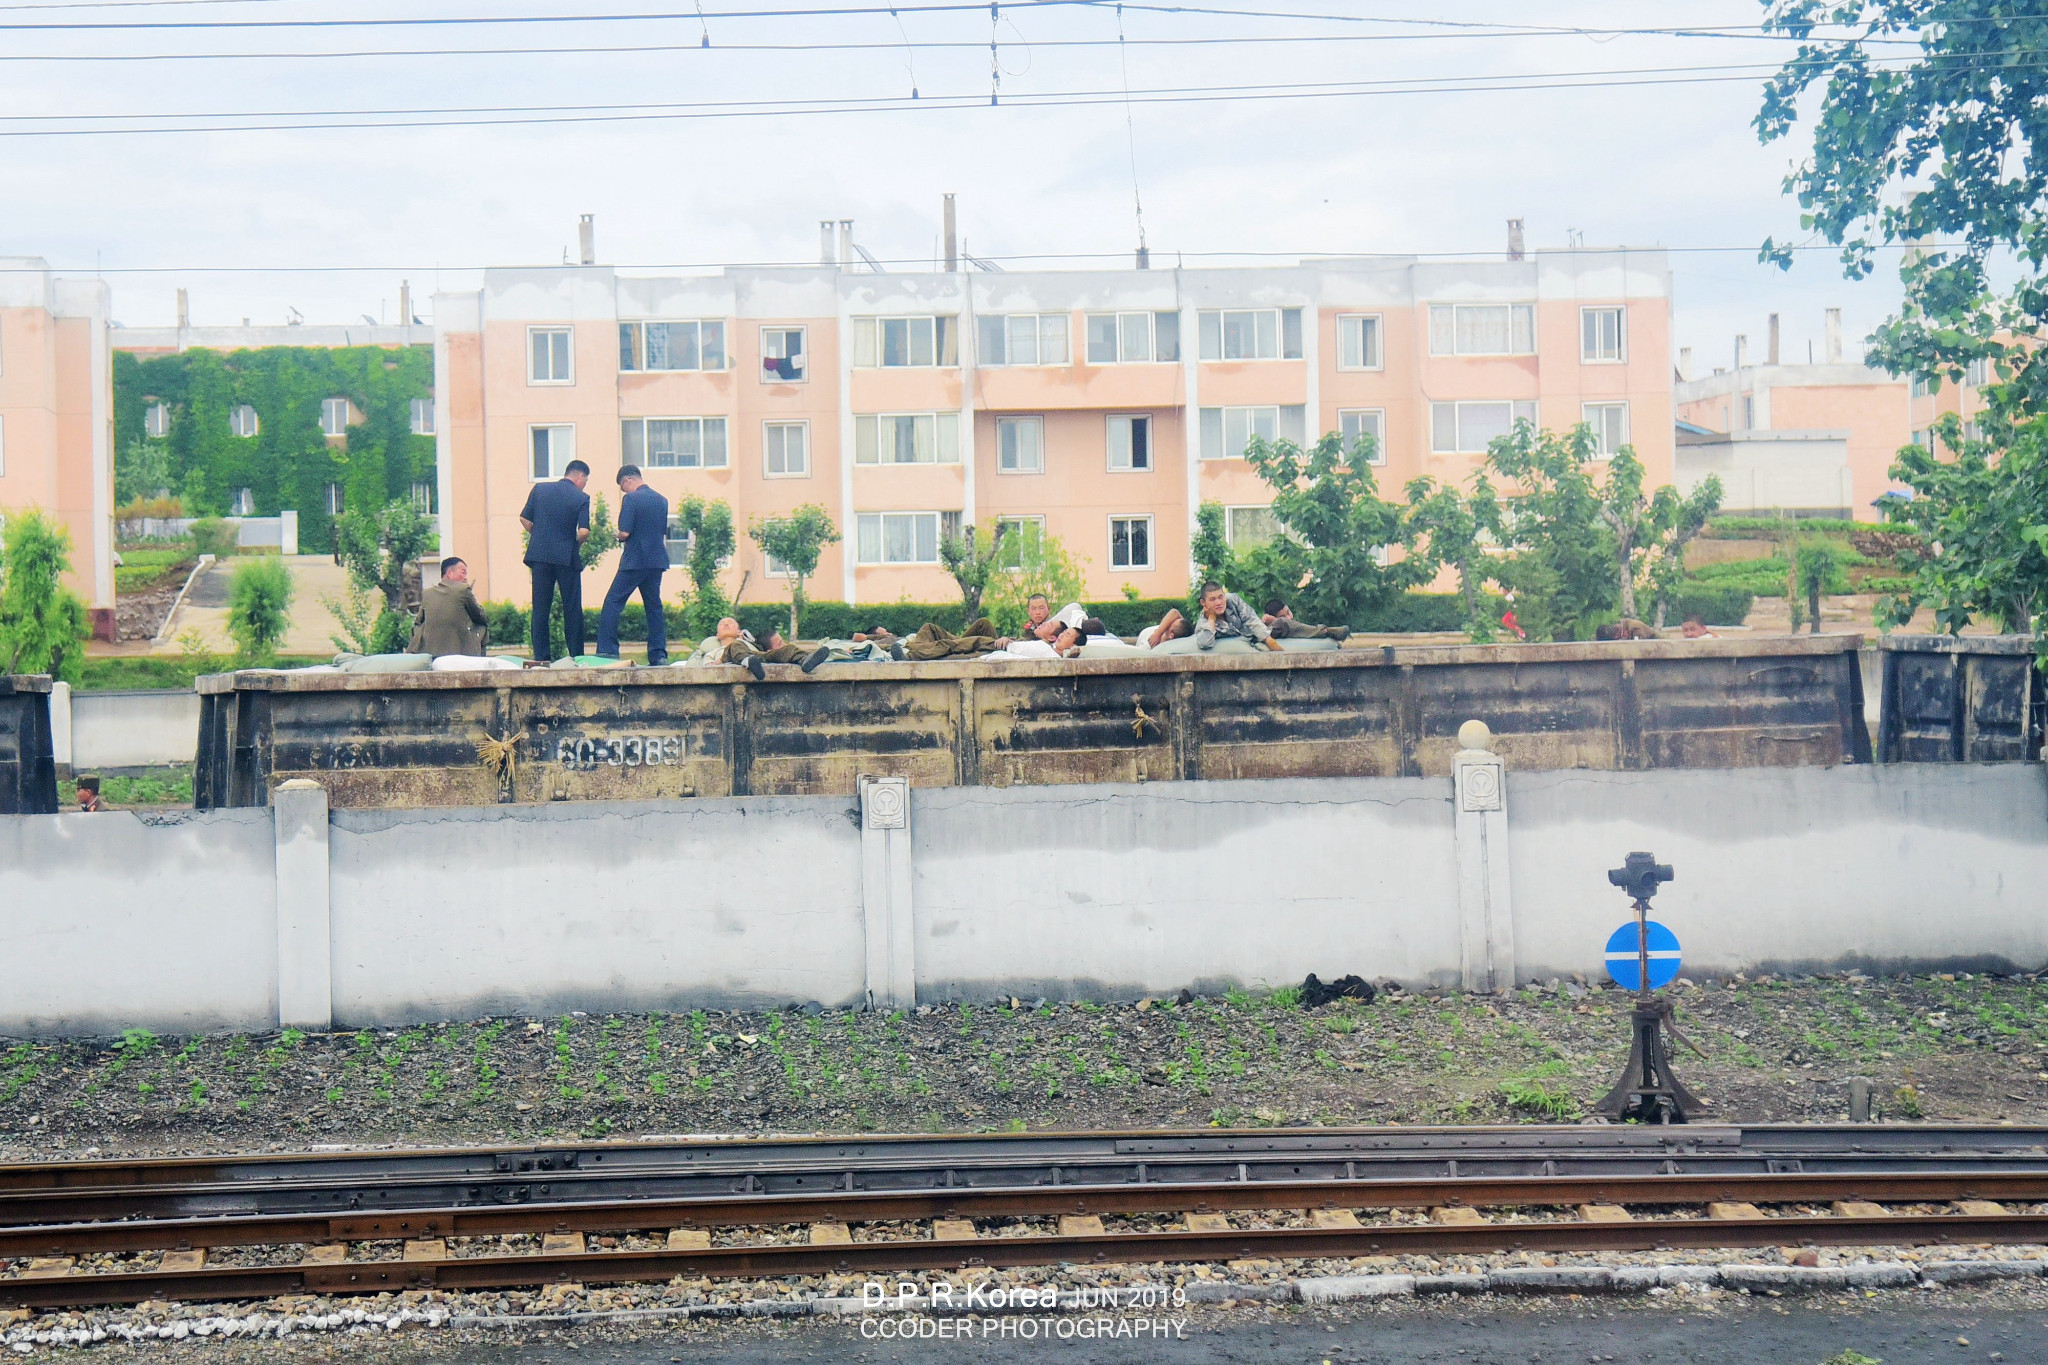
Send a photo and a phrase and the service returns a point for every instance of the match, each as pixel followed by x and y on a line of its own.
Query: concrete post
pixel 288 532
pixel 885 892
pixel 305 943
pixel 60 725
pixel 1485 907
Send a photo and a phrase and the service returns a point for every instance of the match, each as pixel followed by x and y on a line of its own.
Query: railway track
pixel 251 1227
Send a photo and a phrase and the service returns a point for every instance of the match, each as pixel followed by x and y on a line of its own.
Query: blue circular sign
pixel 1621 956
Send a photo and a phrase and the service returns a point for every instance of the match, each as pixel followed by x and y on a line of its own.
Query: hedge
pixel 1415 611
pixel 1716 604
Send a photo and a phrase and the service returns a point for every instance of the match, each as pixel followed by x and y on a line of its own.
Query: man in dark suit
pixel 557 522
pixel 643 528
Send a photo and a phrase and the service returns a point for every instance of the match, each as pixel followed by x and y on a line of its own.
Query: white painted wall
pixel 131 729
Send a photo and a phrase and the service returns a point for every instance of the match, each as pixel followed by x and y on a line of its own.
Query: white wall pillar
pixel 305 943
pixel 1485 905
pixel 885 892
pixel 288 532
pixel 60 724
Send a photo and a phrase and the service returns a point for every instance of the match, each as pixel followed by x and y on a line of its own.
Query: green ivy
pixel 288 463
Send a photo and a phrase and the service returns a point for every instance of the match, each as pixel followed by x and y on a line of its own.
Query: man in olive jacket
pixel 451 622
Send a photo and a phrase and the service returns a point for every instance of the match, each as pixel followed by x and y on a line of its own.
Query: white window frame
pixel 771 567
pixel 328 426
pixel 1042 327
pixel 534 377
pixel 1521 319
pixel 1519 410
pixel 1231 516
pixel 803 438
pixel 1017 520
pixel 861 522
pixel 1289 424
pixel 634 348
pixel 1372 332
pixel 555 467
pixel 867 438
pixel 336 499
pixel 1110 422
pixel 1594 415
pixel 1151 545
pixel 639 450
pixel 1592 345
pixel 423 417
pixel 1019 425
pixel 243 503
pixel 870 341
pixel 156 421
pixel 1129 324
pixel 1379 421
pixel 780 351
pixel 1270 333
pixel 236 421
pixel 423 496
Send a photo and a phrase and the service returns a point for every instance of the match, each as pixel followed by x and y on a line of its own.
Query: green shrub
pixel 1717 604
pixel 212 536
pixel 43 624
pixel 259 608
pixel 1764 528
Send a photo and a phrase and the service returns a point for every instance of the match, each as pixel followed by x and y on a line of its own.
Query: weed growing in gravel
pixel 565 1061
pixel 1529 1094
pixel 485 1086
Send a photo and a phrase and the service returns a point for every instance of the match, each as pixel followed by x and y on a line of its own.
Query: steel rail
pixel 1036 1201
pixel 504 1272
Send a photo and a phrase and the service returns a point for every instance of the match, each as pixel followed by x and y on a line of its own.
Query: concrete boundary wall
pixel 245 919
pixel 94 730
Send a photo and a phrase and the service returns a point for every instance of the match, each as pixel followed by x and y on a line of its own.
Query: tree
pixel 1457 530
pixel 972 558
pixel 43 624
pixel 603 537
pixel 1032 562
pixel 1931 126
pixel 708 526
pixel 795 541
pixel 1334 556
pixel 377 549
pixel 143 471
pixel 259 607
pixel 1982 524
pixel 1650 532
pixel 1563 566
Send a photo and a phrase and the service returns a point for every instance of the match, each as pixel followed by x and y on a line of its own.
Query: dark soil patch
pixel 1964 1049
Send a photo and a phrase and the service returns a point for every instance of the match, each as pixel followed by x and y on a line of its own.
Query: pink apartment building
pixel 57 418
pixel 1104 405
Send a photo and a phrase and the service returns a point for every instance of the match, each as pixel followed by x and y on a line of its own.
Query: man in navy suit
pixel 557 522
pixel 643 526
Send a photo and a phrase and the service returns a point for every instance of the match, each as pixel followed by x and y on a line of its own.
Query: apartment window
pixel 336 502
pixel 674 442
pixel 1227 431
pixel 698 344
pixel 904 343
pixel 423 497
pixel 1247 528
pixel 1603 337
pixel 1132 338
pixel 782 355
pixel 775 568
pixel 156 420
pixel 334 415
pixel 1924 438
pixel 1356 425
pixel 242 503
pixel 1130 542
pixel 1011 537
pixel 547 356
pixel 1358 342
pixel 553 448
pixel 907 438
pixel 678 541
pixel 1482 329
pixel 1022 339
pixel 1130 441
pixel 242 420
pixel 1919 386
pixel 1976 373
pixel 1468 428
pixel 423 417
pixel 1020 445
pixel 1251 334
pixel 786 450
pixel 1609 422
pixel 1748 412
pixel 897 537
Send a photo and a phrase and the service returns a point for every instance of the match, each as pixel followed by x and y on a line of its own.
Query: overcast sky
pixel 1671 162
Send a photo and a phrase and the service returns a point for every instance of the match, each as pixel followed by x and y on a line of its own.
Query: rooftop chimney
pixel 1741 352
pixel 1833 353
pixel 405 303
pixel 1514 239
pixel 827 255
pixel 1685 362
pixel 184 311
pixel 586 238
pixel 1144 258
pixel 952 241
pixel 1774 339
pixel 846 243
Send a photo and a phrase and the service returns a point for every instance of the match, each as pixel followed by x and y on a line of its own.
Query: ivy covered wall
pixel 289 462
